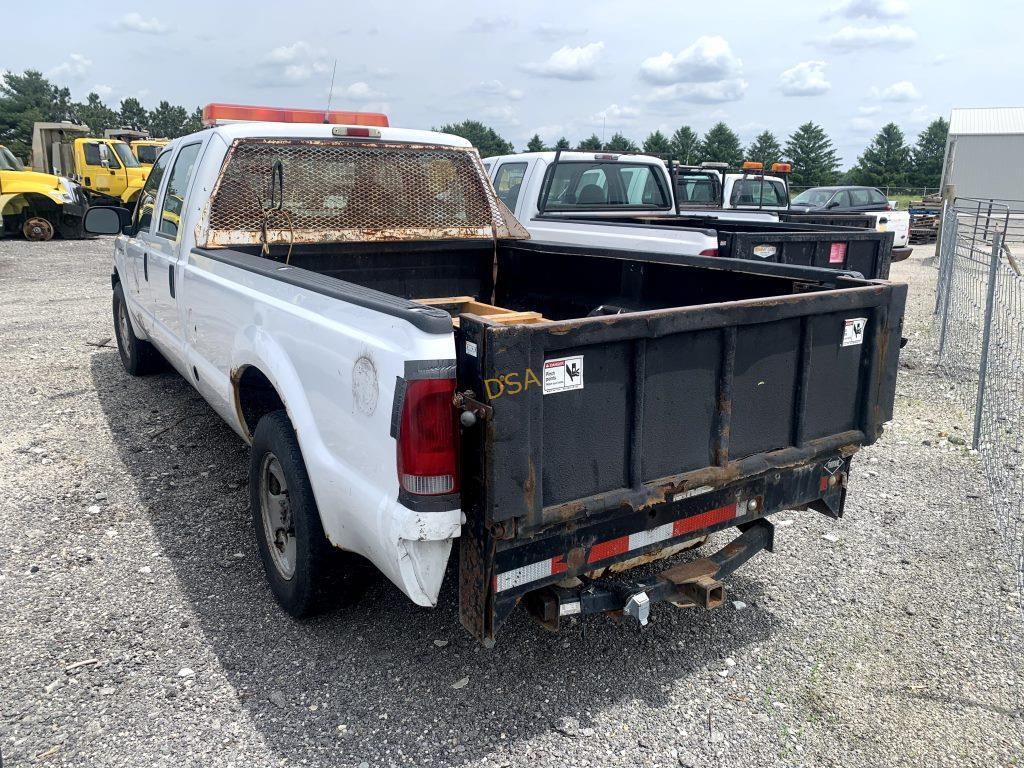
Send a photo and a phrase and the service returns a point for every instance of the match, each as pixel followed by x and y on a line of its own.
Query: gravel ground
pixel 138 630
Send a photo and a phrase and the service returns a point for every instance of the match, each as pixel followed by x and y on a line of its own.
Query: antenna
pixel 330 93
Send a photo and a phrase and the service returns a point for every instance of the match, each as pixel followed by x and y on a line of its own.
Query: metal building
pixel 985 153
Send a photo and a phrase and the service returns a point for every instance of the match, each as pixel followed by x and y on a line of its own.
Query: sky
pixel 556 69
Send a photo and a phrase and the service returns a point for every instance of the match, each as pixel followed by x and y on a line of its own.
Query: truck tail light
pixel 428 438
pixel 709 252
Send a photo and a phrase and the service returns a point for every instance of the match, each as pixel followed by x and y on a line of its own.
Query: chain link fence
pixel 979 318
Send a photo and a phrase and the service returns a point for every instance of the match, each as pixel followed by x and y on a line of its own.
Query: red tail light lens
pixel 428 439
pixel 709 252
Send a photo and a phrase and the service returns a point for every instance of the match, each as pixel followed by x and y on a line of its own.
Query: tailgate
pixel 621 425
pixel 865 251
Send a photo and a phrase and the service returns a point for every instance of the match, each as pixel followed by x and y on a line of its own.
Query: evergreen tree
pixel 593 144
pixel 686 146
pixel 168 121
pixel 563 143
pixel 813 155
pixel 886 160
pixel 619 143
pixel 97 115
pixel 194 122
pixel 764 149
pixel 487 141
pixel 26 99
pixel 722 145
pixel 929 153
pixel 133 115
pixel 536 144
pixel 657 144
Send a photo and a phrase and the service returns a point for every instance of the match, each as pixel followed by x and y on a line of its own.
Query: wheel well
pixel 28 203
pixel 255 396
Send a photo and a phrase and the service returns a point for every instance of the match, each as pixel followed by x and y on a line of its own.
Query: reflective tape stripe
pixel 614 547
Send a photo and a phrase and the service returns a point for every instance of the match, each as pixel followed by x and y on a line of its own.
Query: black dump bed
pixel 606 437
pixel 808 243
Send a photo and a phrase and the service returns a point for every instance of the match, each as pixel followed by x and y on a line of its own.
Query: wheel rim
pixel 37 229
pixel 278 524
pixel 124 330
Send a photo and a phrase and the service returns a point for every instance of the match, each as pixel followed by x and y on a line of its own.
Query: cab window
pixel 177 186
pixel 147 198
pixel 758 192
pixel 147 153
pixel 509 182
pixel 96 152
pixel 583 184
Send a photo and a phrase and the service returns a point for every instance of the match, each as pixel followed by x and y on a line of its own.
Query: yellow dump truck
pixel 144 147
pixel 38 205
pixel 106 168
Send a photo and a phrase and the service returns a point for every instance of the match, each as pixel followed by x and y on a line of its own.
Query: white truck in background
pixel 411 371
pixel 628 201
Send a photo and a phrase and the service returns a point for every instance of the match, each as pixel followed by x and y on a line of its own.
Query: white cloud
pixel 921 115
pixel 75 68
pixel 569 63
pixel 293 64
pixel 361 92
pixel 709 59
pixel 869 110
pixel 498 88
pixel 870 9
pixel 939 59
pixel 103 91
pixel 136 22
pixel 501 113
pixel 701 93
pixel 805 79
pixel 615 115
pixel 904 90
pixel 862 125
pixel 884 36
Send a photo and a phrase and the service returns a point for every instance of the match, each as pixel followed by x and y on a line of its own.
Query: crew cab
pixel 412 372
pixel 856 206
pixel 628 201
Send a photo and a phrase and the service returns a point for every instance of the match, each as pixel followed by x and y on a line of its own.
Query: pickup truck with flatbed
pixel 626 201
pixel 413 373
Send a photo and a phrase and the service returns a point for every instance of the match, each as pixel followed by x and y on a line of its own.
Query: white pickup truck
pixel 357 304
pixel 627 201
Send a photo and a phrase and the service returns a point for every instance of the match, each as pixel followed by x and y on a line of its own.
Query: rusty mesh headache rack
pixel 324 190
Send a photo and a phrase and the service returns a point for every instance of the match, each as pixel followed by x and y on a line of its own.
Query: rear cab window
pixel 583 185
pixel 703 188
pixel 757 191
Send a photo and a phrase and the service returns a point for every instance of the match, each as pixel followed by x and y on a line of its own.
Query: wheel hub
pixel 278 525
pixel 37 229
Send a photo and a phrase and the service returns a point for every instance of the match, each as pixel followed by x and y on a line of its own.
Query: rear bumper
pixel 901 254
pixel 493 585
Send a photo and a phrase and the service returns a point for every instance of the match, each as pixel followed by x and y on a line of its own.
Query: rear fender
pixel 411 548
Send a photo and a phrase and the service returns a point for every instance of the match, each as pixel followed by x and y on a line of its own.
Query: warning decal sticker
pixel 563 374
pixel 853 331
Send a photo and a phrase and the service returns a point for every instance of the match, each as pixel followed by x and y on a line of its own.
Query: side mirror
pixel 106 220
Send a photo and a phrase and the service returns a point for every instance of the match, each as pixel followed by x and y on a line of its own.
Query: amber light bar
pixel 217 114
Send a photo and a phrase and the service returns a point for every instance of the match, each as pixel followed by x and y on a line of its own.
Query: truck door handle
pixel 145 266
pixel 170 278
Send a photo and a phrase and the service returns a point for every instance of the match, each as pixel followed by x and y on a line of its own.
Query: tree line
pixel 30 98
pixel 887 161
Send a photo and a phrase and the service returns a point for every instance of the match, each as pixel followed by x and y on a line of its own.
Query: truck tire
pixel 138 357
pixel 306 574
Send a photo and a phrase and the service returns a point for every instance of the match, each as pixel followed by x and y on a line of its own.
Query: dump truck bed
pixel 606 438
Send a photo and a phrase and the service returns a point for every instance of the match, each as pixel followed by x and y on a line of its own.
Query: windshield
pixel 125 153
pixel 816 196
pixel 758 191
pixel 8 162
pixel 587 185
pixel 147 153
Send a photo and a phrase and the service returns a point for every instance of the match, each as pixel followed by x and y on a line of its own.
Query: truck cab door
pixel 137 251
pixel 101 171
pixel 164 245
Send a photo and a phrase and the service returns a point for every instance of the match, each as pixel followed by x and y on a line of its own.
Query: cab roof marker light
pixel 606 157
pixel 752 165
pixel 354 132
pixel 781 167
pixel 220 114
